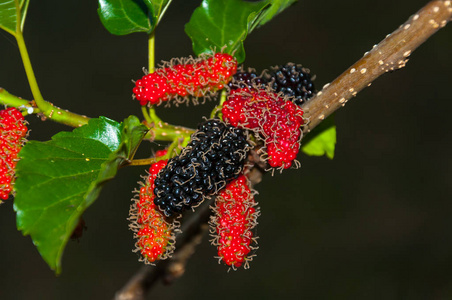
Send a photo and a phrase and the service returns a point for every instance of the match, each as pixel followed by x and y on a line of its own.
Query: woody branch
pixel 390 54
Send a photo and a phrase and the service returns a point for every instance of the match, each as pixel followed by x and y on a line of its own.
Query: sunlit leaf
pixel 322 140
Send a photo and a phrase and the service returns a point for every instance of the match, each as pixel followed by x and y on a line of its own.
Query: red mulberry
pixel 276 120
pixel 12 137
pixel 154 233
pixel 195 77
pixel 235 217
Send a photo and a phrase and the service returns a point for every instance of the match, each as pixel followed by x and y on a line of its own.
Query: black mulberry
pixel 214 157
pixel 293 80
pixel 249 79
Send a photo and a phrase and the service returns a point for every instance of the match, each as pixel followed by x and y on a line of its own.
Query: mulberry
pixel 276 121
pixel 294 81
pixel 154 233
pixel 215 156
pixel 195 77
pixel 231 226
pixel 249 79
pixel 12 137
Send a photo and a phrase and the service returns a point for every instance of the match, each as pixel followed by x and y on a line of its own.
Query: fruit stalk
pixel 14 101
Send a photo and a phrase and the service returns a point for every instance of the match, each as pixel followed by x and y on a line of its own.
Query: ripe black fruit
pixel 243 79
pixel 293 80
pixel 214 157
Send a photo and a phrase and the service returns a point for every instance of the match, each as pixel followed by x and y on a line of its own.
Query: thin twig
pixel 390 54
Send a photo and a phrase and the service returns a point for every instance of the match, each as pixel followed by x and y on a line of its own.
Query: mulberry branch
pixel 390 54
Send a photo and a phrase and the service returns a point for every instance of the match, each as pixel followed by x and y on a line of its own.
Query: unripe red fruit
pixel 277 121
pixel 160 153
pixel 154 233
pixel 195 77
pixel 234 219
pixel 12 137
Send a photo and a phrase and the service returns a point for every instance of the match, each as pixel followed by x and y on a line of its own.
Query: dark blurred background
pixel 374 223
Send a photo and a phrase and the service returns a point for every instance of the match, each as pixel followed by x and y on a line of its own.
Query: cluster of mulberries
pixel 274 119
pixel 12 137
pixel 213 161
pixel 193 77
pixel 214 156
pixel 231 226
pixel 154 233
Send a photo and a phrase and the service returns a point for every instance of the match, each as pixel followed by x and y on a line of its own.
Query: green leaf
pixel 58 180
pixel 322 140
pixel 277 7
pixel 224 25
pixel 132 134
pixel 122 17
pixel 158 8
pixel 12 15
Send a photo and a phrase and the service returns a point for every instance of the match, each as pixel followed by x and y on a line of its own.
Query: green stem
pixel 144 161
pixel 223 97
pixel 14 101
pixel 153 115
pixel 40 102
pixel 165 132
pixel 151 52
pixel 214 111
pixel 146 116
pixel 173 147
pixel 28 108
pixel 48 109
pixel 217 109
